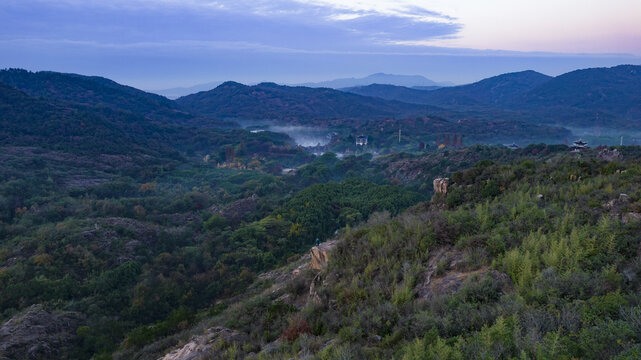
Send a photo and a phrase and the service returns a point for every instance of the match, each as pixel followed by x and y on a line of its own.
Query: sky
pixel 157 44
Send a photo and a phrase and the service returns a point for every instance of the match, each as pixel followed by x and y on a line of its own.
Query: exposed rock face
pixel 619 209
pixel 236 210
pixel 140 236
pixel 630 217
pixel 38 334
pixel 207 346
pixel 452 280
pixel 83 181
pixel 617 204
pixel 440 256
pixel 320 254
pixel 271 348
pixel 406 170
pixel 440 185
pixel 609 155
pixel 313 294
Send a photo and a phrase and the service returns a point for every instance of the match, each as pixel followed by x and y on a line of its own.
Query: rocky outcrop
pixel 609 155
pixel 107 235
pixel 81 181
pixel 320 254
pixel 618 203
pixel 313 289
pixel 441 257
pixel 453 281
pixel 441 185
pixel 630 217
pixel 443 278
pixel 38 334
pixel 407 170
pixel 211 345
pixel 236 210
pixel 619 209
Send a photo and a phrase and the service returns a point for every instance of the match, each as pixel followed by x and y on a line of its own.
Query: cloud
pixel 293 24
pixel 164 43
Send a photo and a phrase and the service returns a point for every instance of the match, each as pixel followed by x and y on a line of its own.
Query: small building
pixel 512 146
pixel 289 171
pixel 361 140
pixel 579 145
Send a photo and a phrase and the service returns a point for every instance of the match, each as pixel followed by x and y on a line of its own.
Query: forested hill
pixel 497 90
pixel 323 107
pixel 98 131
pixel 536 259
pixel 574 98
pixel 390 92
pixel 90 90
pixel 615 90
pixel 29 121
pixel 271 101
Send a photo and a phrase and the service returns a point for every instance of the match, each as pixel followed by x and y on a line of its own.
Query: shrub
pixel 215 222
pixel 603 307
pixel 297 326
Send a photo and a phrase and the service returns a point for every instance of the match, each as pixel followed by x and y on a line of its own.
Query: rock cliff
pixel 441 185
pixel 38 334
pixel 208 346
pixel 320 254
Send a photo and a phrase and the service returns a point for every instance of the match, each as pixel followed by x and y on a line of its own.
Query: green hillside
pixel 350 114
pixel 295 104
pixel 29 121
pixel 614 90
pixel 602 97
pixel 495 91
pixel 133 227
pixel 523 260
pixel 90 90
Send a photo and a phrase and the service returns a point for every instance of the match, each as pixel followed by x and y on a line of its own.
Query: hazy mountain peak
pixel 526 75
pixel 176 92
pixel 268 84
pixel 230 84
pixel 377 78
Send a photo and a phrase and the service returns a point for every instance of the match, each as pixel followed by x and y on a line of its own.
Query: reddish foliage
pixel 297 326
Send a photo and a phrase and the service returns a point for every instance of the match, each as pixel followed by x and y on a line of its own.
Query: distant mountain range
pixel 74 128
pixel 293 104
pixel 609 97
pixel 414 81
pixel 378 78
pixel 92 117
pixel 101 92
pixel 66 109
pixel 497 90
pixel 333 109
pixel 392 92
pixel 176 92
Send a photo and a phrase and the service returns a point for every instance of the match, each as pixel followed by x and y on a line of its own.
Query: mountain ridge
pixel 180 91
pixel 573 98
pixel 377 78
pixel 273 101
pixel 89 90
pixel 495 90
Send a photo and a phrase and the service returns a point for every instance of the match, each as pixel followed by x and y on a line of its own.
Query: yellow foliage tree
pixel 42 259
pixel 148 187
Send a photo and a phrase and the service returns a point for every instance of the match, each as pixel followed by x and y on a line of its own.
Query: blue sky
pixel 154 44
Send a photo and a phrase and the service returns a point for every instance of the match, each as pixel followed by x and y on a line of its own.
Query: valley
pixel 271 221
